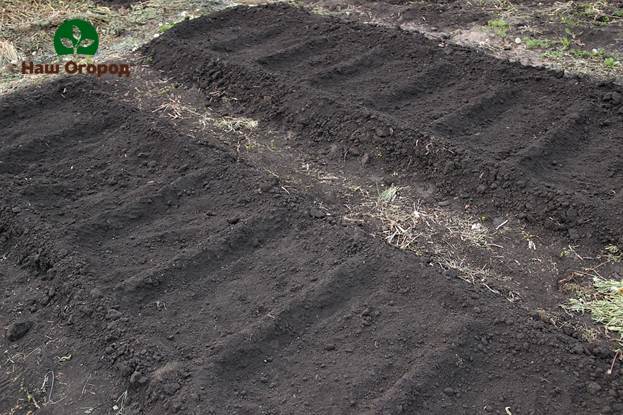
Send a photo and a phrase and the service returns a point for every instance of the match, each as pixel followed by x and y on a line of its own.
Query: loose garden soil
pixel 497 132
pixel 153 270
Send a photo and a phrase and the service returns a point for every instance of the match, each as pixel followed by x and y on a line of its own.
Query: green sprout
pixel 499 26
pixel 388 195
pixel 166 26
pixel 611 63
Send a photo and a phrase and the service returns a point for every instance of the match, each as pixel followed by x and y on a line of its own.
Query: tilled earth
pixel 158 272
pixel 532 140
pixel 591 25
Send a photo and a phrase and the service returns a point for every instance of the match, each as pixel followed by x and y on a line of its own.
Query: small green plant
pixel 618 13
pixel 598 53
pixel 499 26
pixel 581 54
pixel 532 43
pixel 565 42
pixel 166 26
pixel 553 54
pixel 611 63
pixel 605 306
pixel 388 195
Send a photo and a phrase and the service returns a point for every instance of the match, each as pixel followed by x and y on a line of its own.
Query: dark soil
pixel 532 18
pixel 443 14
pixel 184 284
pixel 493 132
pixel 158 273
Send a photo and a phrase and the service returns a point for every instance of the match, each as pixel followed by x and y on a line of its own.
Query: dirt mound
pixel 495 133
pixel 194 283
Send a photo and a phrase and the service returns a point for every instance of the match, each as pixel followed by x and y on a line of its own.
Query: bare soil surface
pixel 152 268
pixel 592 24
pixel 172 277
pixel 577 37
pixel 489 131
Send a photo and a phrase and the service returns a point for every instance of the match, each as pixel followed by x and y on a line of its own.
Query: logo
pixel 79 39
pixel 76 37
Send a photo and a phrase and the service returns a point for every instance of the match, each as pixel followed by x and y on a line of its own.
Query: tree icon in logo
pixel 76 37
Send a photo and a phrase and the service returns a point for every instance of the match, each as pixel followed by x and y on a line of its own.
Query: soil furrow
pixel 484 111
pixel 262 307
pixel 153 270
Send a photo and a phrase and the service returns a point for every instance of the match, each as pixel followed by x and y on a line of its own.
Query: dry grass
pixel 231 124
pixel 404 223
pixel 176 110
pixel 8 53
pixel 27 27
pixel 603 297
pixel 605 304
pixel 408 225
pixel 437 232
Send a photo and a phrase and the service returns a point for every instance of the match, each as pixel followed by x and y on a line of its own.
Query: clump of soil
pixel 493 132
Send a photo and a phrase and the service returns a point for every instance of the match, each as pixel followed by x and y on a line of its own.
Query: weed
pixel 611 62
pixel 587 10
pixel 499 26
pixel 581 54
pixel 605 306
pixel 532 43
pixel 388 195
pixel 618 13
pixel 553 54
pixel 565 42
pixel 166 26
pixel 599 52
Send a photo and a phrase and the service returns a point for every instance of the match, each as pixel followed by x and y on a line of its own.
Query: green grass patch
pixel 565 42
pixel 532 43
pixel 499 26
pixel 581 54
pixel 166 26
pixel 553 54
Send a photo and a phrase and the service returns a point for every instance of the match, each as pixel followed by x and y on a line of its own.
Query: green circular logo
pixel 76 37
